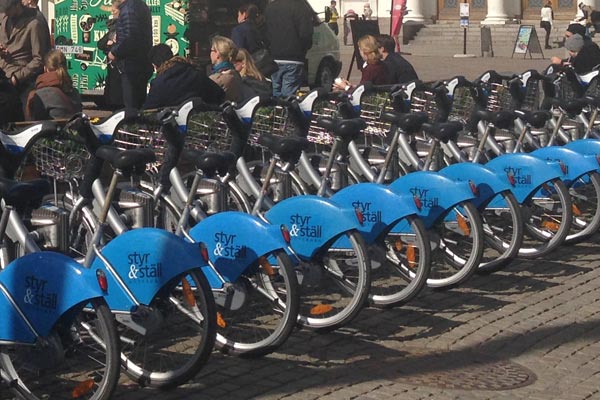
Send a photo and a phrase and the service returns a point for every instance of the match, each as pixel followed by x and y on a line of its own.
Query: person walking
pixel 547 16
pixel 113 94
pixel 130 52
pixel 54 95
pixel 289 32
pixel 177 80
pixel 334 15
pixel 24 41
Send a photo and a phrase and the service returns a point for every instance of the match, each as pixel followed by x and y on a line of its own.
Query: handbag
pixel 264 62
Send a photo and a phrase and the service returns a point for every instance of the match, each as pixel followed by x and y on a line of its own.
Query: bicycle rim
pixel 335 283
pixel 80 359
pixel 503 229
pixel 585 198
pixel 456 246
pixel 548 218
pixel 180 332
pixel 400 263
pixel 259 311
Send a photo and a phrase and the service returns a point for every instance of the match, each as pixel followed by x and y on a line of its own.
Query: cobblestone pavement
pixel 531 332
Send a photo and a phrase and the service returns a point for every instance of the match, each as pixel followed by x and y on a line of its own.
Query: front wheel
pixel 257 313
pixel 585 197
pixel 335 283
pixel 503 227
pixel 400 263
pixel 173 337
pixel 456 246
pixel 79 359
pixel 548 216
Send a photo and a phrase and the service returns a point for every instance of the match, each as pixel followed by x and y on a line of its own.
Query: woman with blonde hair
pixel 253 82
pixel 223 52
pixel 54 95
pixel 374 70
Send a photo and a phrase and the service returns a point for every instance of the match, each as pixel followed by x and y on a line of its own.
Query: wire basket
pixel 140 135
pixel 532 100
pixel 593 88
pixel 499 97
pixel 463 105
pixel 273 120
pixel 424 100
pixel 372 106
pixel 322 108
pixel 207 130
pixel 62 158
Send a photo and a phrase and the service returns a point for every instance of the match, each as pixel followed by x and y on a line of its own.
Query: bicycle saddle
pixel 409 122
pixel 537 119
pixel 23 194
pixel 209 162
pixel 288 148
pixel 443 131
pixel 346 129
pixel 571 107
pixel 128 161
pixel 500 119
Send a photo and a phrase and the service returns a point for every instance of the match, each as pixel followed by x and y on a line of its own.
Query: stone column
pixel 496 13
pixel 414 11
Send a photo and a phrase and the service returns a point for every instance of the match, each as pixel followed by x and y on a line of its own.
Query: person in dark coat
pixel 400 70
pixel 177 80
pixel 113 95
pixel 247 34
pixel 130 52
pixel 11 109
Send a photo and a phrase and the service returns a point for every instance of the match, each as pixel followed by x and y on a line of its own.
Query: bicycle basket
pixel 372 105
pixel 534 94
pixel 208 130
pixel 274 119
pixel 135 135
pixel 425 100
pixel 499 97
pixel 62 157
pixel 322 107
pixel 463 105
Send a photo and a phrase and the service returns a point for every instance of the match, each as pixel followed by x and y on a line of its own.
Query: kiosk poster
pixel 523 38
pixel 79 24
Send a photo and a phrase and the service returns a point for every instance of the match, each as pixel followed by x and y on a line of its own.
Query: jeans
pixel 287 79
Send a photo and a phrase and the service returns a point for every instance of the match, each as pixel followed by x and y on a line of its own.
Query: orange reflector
pixel 398 245
pixel 188 293
pixel 320 309
pixel 550 225
pixel 576 210
pixel 266 266
pixel 220 321
pixel 411 255
pixel 83 388
pixel 463 225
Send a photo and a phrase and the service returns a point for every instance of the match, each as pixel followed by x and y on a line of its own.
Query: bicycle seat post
pixel 265 186
pixel 325 181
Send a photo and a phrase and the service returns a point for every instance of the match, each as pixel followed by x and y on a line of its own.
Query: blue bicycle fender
pixel 588 147
pixel 145 259
pixel 379 205
pixel 436 193
pixel 525 172
pixel 575 164
pixel 313 221
pixel 236 240
pixel 44 285
pixel 488 182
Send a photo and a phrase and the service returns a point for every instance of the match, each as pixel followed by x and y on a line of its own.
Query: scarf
pixel 222 66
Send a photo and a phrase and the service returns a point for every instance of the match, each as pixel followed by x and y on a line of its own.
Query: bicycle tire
pixel 546 231
pixel 334 290
pixel 259 312
pixel 461 226
pixel 400 264
pixel 585 197
pixel 503 227
pixel 180 334
pixel 87 342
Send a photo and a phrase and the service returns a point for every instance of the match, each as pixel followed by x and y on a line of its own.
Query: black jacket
pixel 289 29
pixel 179 83
pixel 587 58
pixel 399 69
pixel 247 36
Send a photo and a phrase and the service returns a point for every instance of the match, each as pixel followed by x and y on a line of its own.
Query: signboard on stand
pixel 527 42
